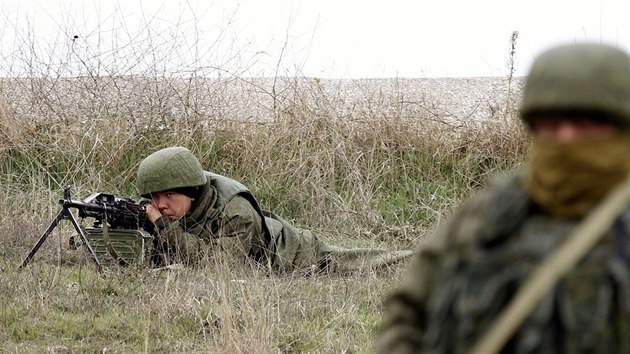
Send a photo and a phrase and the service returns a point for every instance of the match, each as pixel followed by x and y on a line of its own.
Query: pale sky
pixel 317 38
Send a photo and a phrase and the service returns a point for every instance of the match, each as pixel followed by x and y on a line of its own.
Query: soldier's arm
pixel 406 309
pixel 178 245
pixel 239 234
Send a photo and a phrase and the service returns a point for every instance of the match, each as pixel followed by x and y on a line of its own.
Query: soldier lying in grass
pixel 199 215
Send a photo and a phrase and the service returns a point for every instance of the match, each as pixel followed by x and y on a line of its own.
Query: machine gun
pixel 120 227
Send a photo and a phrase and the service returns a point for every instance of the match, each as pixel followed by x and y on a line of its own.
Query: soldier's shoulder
pixel 501 193
pixel 493 212
pixel 239 205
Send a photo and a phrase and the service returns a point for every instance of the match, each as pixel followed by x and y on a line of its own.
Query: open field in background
pixel 152 100
pixel 373 163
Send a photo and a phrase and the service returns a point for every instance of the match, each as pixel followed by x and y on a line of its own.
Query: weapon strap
pixel 547 274
pixel 108 244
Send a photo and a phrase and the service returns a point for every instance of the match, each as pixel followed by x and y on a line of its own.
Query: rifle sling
pixel 108 244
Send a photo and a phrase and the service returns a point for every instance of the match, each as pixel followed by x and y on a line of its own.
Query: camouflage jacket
pixel 463 278
pixel 226 221
pixel 225 217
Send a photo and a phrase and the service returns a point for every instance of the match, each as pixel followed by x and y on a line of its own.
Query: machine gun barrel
pixel 119 212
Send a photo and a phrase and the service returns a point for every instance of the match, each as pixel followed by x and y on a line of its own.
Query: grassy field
pixel 371 163
pixel 379 171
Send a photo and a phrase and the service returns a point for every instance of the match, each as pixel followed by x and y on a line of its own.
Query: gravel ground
pixel 457 98
pixel 451 99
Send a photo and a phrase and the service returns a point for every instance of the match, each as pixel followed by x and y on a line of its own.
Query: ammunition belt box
pixel 126 247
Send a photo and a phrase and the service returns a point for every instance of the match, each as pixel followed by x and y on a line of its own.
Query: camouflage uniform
pixel 226 219
pixel 467 273
pixel 473 266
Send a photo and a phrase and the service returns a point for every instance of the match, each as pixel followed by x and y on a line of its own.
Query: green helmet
pixel 167 169
pixel 587 77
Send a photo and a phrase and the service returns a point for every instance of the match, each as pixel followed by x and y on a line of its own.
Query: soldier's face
pixel 568 130
pixel 171 204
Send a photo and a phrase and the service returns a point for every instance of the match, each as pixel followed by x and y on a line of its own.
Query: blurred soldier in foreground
pixel 576 105
pixel 201 215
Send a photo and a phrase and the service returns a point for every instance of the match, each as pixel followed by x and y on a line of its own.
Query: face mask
pixel 569 179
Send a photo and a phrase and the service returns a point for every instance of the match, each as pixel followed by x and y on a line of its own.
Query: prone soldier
pixel 199 214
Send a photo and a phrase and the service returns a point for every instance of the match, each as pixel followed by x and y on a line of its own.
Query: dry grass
pixel 383 176
pixel 362 162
